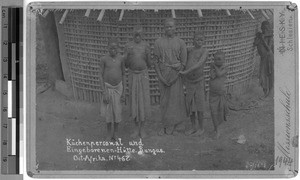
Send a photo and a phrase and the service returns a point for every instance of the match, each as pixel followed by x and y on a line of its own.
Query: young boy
pixel 217 91
pixel 138 61
pixel 265 47
pixel 194 83
pixel 112 79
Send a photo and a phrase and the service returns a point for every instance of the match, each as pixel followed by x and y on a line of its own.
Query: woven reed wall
pixel 85 41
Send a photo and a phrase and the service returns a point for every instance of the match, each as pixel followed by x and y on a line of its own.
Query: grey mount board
pixel 66 132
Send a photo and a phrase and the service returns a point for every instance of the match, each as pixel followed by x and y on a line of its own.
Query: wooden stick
pixel 64 16
pixel 84 95
pixel 87 13
pixel 199 13
pixel 228 12
pixel 101 15
pixel 97 98
pixel 73 86
pixel 45 13
pixel 121 15
pixel 94 96
pixel 265 14
pixel 250 14
pixel 90 96
pixel 270 11
pixel 79 93
pixel 173 13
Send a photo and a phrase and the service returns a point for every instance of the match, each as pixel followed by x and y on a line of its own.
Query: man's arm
pixel 272 45
pixel 101 74
pixel 183 55
pixel 258 37
pixel 200 63
pixel 156 61
pixel 104 90
pixel 126 55
pixel 159 75
pixel 123 79
pixel 221 71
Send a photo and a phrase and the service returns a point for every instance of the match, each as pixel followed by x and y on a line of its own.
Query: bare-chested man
pixel 138 62
pixel 194 83
pixel 265 47
pixel 112 78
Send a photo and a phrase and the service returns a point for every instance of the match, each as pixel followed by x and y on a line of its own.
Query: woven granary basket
pixel 85 41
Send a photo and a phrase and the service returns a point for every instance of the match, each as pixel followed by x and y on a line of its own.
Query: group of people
pixel 176 67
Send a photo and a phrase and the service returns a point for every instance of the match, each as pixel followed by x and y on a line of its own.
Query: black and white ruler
pixel 11 53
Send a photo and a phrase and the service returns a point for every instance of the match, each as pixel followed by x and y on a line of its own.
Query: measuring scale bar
pixel 12 137
pixel 11 95
pixel 10 117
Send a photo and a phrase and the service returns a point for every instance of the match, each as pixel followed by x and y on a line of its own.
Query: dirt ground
pixel 59 118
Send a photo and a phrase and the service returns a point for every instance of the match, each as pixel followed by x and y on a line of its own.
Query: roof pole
pixel 63 17
pixel 121 15
pixel 199 13
pixel 250 14
pixel 87 13
pixel 101 15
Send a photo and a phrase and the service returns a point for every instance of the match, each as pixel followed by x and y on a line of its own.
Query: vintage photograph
pixel 154 89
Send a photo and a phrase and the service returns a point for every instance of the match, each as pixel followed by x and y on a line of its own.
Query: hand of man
pixel 183 72
pixel 122 98
pixel 176 66
pixel 165 82
pixel 106 98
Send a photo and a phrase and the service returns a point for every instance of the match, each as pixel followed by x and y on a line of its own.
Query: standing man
pixel 138 62
pixel 265 47
pixel 171 55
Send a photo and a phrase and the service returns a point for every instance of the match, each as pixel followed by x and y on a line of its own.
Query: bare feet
pixel 217 134
pixel 199 132
pixel 162 132
pixel 108 138
pixel 143 134
pixel 190 132
pixel 170 130
pixel 115 137
pixel 176 133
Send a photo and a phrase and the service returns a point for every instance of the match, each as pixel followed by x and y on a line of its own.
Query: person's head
pixel 113 46
pixel 219 58
pixel 199 39
pixel 137 34
pixel 266 27
pixel 170 27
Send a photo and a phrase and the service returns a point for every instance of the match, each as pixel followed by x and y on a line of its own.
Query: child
pixel 138 62
pixel 112 71
pixel 194 83
pixel 217 101
pixel 265 48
